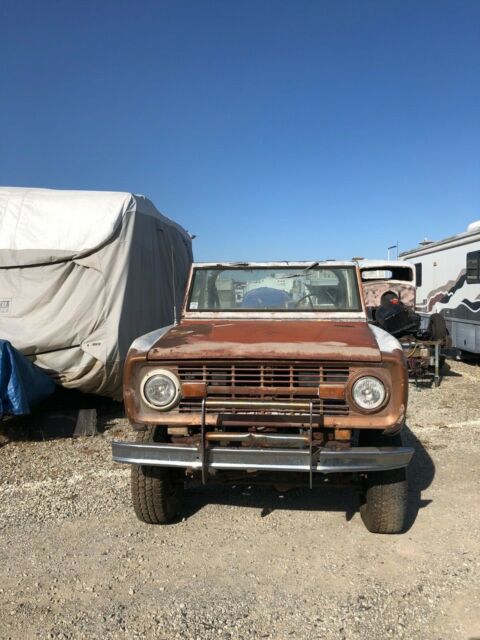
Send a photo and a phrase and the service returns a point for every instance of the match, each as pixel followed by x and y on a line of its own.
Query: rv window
pixel 418 274
pixel 473 267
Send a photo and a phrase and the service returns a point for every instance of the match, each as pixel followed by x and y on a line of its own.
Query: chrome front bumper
pixel 280 452
pixel 323 460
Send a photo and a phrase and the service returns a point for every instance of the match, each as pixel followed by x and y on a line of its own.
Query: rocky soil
pixel 244 562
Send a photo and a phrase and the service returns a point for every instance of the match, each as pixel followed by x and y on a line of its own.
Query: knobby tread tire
pixel 384 509
pixel 384 502
pixel 437 327
pixel 156 492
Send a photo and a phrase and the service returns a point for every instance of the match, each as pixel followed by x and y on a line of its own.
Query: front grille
pixel 263 375
pixel 282 382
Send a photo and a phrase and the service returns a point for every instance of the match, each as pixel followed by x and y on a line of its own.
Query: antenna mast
pixel 174 291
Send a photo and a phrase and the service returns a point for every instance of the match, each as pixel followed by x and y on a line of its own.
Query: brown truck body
pixel 257 387
pixel 267 360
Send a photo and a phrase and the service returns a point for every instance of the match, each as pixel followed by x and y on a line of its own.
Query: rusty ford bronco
pixel 273 375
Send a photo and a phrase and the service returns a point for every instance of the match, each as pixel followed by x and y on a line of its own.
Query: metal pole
pixel 202 444
pixel 437 363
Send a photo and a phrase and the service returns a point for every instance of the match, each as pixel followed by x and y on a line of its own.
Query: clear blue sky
pixel 271 129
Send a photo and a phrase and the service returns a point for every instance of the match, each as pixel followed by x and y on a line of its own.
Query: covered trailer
pixel 82 274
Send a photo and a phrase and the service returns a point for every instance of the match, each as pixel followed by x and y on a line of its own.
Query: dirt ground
pixel 244 562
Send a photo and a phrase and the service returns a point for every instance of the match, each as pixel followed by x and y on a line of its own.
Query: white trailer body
pixel 448 282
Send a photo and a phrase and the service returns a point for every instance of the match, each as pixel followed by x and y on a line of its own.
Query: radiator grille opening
pixel 270 379
pixel 263 375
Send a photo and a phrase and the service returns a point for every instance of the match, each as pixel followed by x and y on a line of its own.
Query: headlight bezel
pixel 378 378
pixel 173 379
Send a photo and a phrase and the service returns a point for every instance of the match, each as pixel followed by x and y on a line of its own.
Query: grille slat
pixel 319 406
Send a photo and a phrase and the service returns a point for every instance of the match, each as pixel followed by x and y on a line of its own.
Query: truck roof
pixel 303 264
pixel 383 264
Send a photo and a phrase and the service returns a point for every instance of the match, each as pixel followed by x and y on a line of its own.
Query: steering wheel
pixel 307 295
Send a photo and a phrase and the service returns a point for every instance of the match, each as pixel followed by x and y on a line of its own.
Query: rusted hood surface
pixel 270 339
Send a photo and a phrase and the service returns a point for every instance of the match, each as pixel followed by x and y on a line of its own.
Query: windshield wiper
pixel 310 266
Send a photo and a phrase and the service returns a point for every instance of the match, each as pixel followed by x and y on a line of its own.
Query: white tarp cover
pixel 82 274
pixel 76 221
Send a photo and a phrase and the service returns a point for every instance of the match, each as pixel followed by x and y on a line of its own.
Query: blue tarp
pixel 22 384
pixel 266 298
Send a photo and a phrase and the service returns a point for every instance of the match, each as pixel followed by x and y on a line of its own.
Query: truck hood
pixel 268 339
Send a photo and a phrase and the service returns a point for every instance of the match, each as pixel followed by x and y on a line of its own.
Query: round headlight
pixel 369 393
pixel 161 389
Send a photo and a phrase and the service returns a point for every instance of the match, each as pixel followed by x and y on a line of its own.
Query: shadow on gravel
pixel 448 372
pixel 325 498
pixel 268 500
pixel 463 356
pixel 58 417
pixel 421 472
pixel 428 381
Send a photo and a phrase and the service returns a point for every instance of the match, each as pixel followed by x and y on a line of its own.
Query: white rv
pixel 448 282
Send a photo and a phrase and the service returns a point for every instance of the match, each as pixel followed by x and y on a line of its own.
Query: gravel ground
pixel 244 562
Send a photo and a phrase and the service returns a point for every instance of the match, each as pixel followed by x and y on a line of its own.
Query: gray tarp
pixel 82 274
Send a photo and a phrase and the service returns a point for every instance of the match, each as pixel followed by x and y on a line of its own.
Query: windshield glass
pixel 388 273
pixel 314 288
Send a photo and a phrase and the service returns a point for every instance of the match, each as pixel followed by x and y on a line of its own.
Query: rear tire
pixel 157 492
pixel 437 327
pixel 384 499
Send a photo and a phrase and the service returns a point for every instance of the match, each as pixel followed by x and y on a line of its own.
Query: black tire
pixel 157 492
pixel 437 327
pixel 384 499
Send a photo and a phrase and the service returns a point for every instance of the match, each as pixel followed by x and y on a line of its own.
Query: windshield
pixel 388 273
pixel 314 288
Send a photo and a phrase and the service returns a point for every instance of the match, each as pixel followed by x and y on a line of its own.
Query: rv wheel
pixel 157 492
